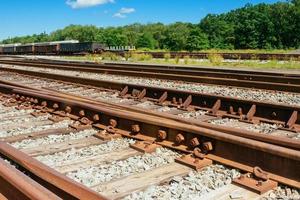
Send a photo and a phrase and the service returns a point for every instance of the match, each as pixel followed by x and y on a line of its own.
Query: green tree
pixel 197 40
pixel 145 40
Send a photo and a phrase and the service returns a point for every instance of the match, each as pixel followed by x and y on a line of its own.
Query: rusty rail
pixel 16 185
pixel 282 163
pixel 270 81
pixel 286 115
pixel 54 181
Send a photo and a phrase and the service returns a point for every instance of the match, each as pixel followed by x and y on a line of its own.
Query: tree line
pixel 261 26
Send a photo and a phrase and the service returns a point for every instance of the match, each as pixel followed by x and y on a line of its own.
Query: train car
pixel 9 48
pixel 1 49
pixel 46 49
pixel 25 49
pixel 82 47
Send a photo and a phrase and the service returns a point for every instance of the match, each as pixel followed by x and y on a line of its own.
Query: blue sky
pixel 19 17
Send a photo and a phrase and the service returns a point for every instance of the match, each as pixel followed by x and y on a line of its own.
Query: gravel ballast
pixel 283 193
pixel 258 128
pixel 51 139
pixel 192 186
pixel 21 131
pixel 60 158
pixel 94 175
pixel 241 93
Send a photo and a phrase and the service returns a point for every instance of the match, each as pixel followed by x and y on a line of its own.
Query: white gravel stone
pixel 193 186
pixel 51 139
pixel 258 128
pixel 192 114
pixel 23 120
pixel 20 131
pixel 242 93
pixel 73 154
pixel 283 193
pixel 94 175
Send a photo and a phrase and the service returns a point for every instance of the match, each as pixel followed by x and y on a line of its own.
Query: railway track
pixel 238 78
pixel 89 141
pixel 233 56
pixel 77 152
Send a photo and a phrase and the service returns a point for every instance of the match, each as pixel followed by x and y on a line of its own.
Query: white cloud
pixel 86 3
pixel 126 10
pixel 123 11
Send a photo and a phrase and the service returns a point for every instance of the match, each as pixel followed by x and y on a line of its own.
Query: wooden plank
pixel 127 185
pixel 63 146
pixel 230 192
pixel 101 159
pixel 39 134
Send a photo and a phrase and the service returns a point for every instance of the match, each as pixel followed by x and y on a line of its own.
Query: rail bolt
pixel 44 103
pixel 194 142
pixel 113 123
pixel 27 99
pixel 198 153
pixel 179 138
pixel 68 109
pixel 36 101
pixel 162 135
pixel 81 113
pixel 135 128
pixel 55 106
pixel 207 146
pixel 96 117
pixel 17 96
pixel 22 98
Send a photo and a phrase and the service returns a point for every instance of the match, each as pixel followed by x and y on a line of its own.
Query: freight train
pixel 58 47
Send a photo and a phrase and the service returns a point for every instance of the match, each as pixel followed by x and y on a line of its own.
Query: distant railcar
pixel 1 50
pixel 9 50
pixel 46 49
pixel 25 49
pixel 83 47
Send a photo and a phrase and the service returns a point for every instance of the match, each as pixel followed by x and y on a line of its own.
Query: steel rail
pixel 61 185
pixel 281 141
pixel 261 111
pixel 282 163
pixel 270 82
pixel 16 185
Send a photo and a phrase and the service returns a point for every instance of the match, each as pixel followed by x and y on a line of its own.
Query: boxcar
pixel 83 47
pixel 46 49
pixel 25 49
pixel 9 50
pixel 1 50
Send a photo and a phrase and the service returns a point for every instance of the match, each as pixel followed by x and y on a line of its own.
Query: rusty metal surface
pixel 270 82
pixel 262 111
pixel 281 161
pixel 282 141
pixel 16 185
pixel 54 181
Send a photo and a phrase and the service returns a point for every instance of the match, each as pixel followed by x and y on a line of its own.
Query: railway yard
pixel 83 130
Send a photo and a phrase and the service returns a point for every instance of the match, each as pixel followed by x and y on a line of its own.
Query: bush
pixel 167 56
pixel 215 59
pixel 177 59
pixel 110 56
pixel 141 57
pixel 127 55
pixel 186 59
